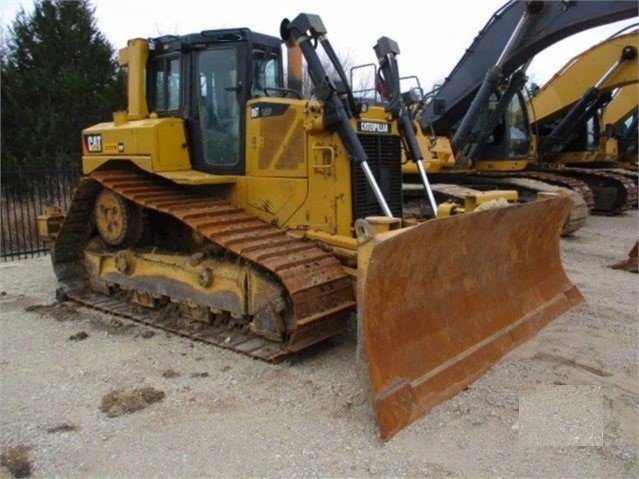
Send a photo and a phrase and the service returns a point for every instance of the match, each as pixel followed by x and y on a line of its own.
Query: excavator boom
pixel 512 37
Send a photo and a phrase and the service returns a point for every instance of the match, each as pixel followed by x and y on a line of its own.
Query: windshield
pixel 167 82
pixel 266 74
pixel 518 143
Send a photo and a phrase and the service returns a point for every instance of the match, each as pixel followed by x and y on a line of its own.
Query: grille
pixel 384 159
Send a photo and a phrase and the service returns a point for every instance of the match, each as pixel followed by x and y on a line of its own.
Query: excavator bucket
pixel 442 302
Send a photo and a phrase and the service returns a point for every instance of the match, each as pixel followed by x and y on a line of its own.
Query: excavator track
pixel 630 174
pixel 578 186
pixel 626 173
pixel 614 192
pixel 527 181
pixel 319 291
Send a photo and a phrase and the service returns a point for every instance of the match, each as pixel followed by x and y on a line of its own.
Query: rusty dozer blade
pixel 631 263
pixel 440 303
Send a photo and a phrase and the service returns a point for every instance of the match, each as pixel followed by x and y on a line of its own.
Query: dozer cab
pixel 225 207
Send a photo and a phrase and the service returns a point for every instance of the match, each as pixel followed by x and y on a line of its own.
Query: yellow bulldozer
pixel 225 207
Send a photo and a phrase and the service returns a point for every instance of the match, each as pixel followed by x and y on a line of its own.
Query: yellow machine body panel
pixel 276 143
pixel 606 152
pixel 624 103
pixel 437 151
pixel 501 165
pixel 298 174
pixel 154 145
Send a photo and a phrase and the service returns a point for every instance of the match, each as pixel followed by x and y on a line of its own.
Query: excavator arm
pixel 511 38
pixel 608 65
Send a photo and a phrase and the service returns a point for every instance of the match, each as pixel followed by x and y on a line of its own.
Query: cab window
pixel 167 83
pixel 266 73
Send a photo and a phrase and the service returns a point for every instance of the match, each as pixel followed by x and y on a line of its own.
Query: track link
pixel 456 186
pixel 320 291
pixel 578 186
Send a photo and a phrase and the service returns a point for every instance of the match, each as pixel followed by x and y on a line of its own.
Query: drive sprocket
pixel 118 220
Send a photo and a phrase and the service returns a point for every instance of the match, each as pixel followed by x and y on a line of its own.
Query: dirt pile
pixel 120 402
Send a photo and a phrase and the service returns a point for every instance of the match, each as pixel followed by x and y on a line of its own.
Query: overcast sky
pixel 432 36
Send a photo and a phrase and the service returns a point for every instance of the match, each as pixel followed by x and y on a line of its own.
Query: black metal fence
pixel 25 194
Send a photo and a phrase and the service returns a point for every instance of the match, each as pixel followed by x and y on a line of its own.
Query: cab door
pixel 217 122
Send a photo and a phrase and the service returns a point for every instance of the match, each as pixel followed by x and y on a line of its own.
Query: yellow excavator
pixel 225 207
pixel 619 126
pixel 475 129
pixel 567 118
pixel 578 96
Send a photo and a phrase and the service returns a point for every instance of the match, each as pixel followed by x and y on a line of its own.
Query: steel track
pixel 320 291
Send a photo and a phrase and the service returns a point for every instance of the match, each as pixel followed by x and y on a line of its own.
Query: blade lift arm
pixel 387 51
pixel 304 29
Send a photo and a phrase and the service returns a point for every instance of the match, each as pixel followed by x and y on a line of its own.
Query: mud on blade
pixel 440 303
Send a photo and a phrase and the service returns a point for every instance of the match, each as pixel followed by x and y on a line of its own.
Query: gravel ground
pixel 564 404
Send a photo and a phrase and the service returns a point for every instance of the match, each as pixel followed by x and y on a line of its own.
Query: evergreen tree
pixel 59 75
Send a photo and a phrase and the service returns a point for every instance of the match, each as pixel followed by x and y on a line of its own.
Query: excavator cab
pixel 506 137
